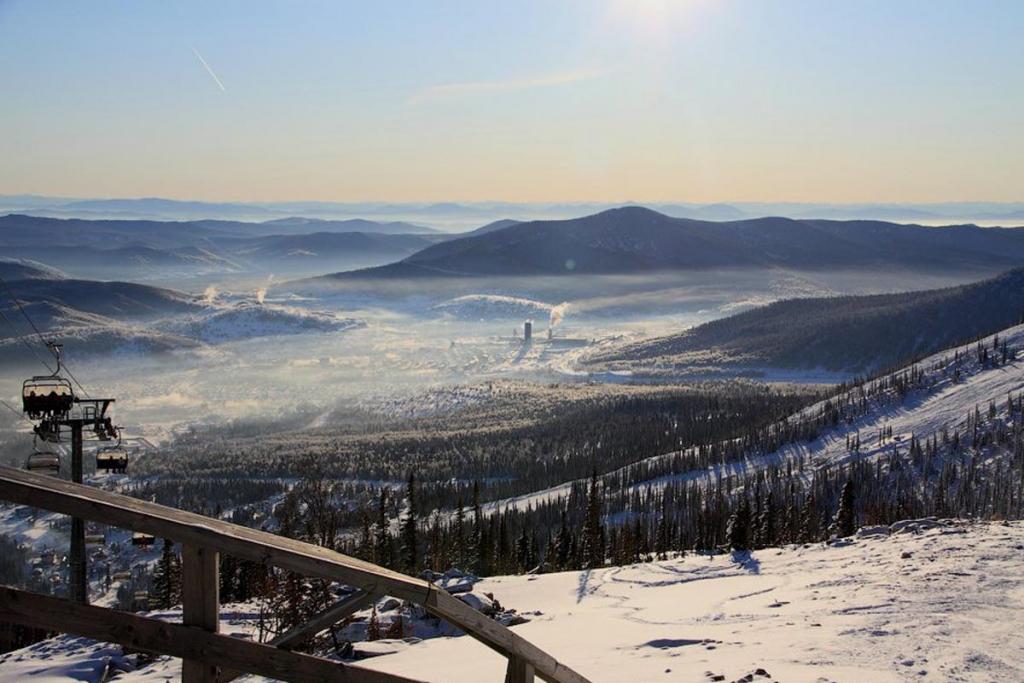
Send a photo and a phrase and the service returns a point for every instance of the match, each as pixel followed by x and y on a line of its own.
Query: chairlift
pixel 47 395
pixel 47 461
pixel 112 459
pixel 143 540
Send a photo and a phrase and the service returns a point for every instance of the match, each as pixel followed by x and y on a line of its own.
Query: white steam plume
pixel 209 295
pixel 558 314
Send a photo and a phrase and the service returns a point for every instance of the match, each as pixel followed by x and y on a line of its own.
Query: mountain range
pixel 639 240
pixel 460 216
pixel 135 249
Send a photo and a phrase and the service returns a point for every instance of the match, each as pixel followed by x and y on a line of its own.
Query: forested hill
pixel 849 333
pixel 638 240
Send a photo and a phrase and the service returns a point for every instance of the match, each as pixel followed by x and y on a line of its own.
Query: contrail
pixel 208 69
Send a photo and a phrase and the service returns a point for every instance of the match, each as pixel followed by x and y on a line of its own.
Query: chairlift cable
pixel 24 341
pixel 12 297
pixel 17 412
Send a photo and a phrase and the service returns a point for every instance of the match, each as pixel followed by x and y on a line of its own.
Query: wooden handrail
pixel 50 493
pixel 178 640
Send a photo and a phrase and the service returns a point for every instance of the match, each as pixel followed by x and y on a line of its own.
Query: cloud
pixel 478 87
pixel 209 70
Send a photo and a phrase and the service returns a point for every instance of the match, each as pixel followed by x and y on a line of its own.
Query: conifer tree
pixel 410 554
pixel 592 551
pixel 809 524
pixel 476 549
pixel 167 580
pixel 459 556
pixel 738 528
pixel 845 523
pixel 382 551
pixel 766 524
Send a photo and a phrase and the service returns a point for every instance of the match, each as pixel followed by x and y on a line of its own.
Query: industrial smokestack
pixel 527 330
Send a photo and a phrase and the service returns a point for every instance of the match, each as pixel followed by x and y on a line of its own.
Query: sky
pixel 564 100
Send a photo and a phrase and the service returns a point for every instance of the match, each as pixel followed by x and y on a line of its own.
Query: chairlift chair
pixel 112 459
pixel 142 540
pixel 43 461
pixel 46 396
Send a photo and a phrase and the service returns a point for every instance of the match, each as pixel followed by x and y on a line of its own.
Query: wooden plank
pixel 518 671
pixel 324 620
pixel 501 639
pixel 29 488
pixel 303 632
pixel 178 640
pixel 200 605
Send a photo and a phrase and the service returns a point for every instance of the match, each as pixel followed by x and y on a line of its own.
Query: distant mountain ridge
pixel 138 249
pixel 843 334
pixel 636 240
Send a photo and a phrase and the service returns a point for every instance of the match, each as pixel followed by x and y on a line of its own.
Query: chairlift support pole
pixel 79 585
pixel 77 421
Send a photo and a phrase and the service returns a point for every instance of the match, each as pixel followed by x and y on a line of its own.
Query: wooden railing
pixel 210 656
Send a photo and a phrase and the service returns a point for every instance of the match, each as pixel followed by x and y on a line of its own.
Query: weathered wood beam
pixel 200 606
pixel 518 671
pixel 303 632
pixel 178 640
pixel 49 493
pixel 324 620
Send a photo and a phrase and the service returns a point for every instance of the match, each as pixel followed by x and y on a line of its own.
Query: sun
pixel 654 18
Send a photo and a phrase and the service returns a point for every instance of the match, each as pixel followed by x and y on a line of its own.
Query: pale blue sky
pixel 693 100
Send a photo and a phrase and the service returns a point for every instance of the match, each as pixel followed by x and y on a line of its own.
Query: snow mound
pixel 493 307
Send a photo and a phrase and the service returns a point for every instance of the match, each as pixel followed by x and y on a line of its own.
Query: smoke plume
pixel 557 314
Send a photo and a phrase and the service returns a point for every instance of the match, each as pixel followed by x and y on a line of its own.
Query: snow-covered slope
pixel 932 601
pixel 493 307
pixel 943 605
pixel 249 320
pixel 954 384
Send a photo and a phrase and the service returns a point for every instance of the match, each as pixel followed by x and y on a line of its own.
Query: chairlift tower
pixel 50 400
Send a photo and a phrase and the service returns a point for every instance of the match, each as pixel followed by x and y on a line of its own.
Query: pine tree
pixel 459 541
pixel 661 536
pixel 410 554
pixel 766 524
pixel 845 523
pixel 809 521
pixel 738 528
pixel 592 551
pixel 563 545
pixel 228 579
pixel 167 580
pixel 365 547
pixel 476 549
pixel 382 550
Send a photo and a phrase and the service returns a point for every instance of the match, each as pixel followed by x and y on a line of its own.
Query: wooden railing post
pixel 519 671
pixel 200 604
